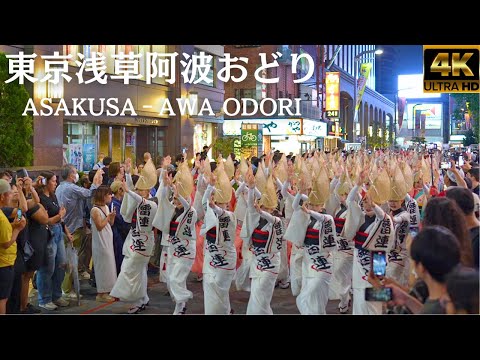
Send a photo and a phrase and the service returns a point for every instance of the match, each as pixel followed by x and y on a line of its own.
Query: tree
pixel 468 102
pixel 470 138
pixel 15 129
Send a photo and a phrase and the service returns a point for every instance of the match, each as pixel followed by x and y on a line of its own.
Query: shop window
pixel 211 72
pixel 245 93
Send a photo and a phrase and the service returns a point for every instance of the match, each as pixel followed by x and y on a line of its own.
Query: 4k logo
pixel 448 69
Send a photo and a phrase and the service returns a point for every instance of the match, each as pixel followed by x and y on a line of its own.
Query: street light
pixel 356 60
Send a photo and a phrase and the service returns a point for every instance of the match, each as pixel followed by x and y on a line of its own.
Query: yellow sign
pixel 332 106
pixel 451 68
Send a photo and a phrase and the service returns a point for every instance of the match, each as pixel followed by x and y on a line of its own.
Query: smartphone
pixel 22 173
pixel 19 214
pixel 378 294
pixel 44 181
pixel 379 263
pixel 111 207
pixel 413 232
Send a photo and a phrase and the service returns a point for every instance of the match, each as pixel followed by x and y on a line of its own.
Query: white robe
pixel 380 239
pixel 182 246
pixel 131 284
pixel 316 265
pixel 220 257
pixel 398 267
pixel 266 262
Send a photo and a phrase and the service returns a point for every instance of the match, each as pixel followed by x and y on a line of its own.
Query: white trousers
pixel 342 272
pixel 283 274
pixel 313 297
pixel 261 293
pixel 242 278
pixel 163 264
pixel 296 260
pixel 131 284
pixel 178 269
pixel 216 292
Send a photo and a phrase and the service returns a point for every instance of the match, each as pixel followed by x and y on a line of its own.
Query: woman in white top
pixel 102 243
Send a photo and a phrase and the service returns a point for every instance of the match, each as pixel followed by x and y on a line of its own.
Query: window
pixel 211 72
pixel 245 93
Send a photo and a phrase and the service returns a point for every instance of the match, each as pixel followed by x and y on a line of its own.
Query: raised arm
pixel 317 216
pixel 184 202
pixel 352 194
pixel 240 189
pixel 269 217
pixel 296 200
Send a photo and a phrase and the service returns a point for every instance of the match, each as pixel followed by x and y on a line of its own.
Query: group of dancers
pixel 310 221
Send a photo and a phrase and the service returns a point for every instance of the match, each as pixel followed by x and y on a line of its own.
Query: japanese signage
pixel 332 106
pixel 270 127
pixel 361 84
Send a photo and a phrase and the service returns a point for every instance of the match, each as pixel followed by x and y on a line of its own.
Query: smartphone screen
pixel 19 214
pixel 413 232
pixel 379 263
pixel 378 294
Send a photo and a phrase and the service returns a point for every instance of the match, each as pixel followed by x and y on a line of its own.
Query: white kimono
pixel 343 256
pixel 283 273
pixel 131 285
pixel 265 244
pixel 296 256
pixel 242 278
pixel 220 256
pixel 398 267
pixel 380 238
pixel 182 244
pixel 157 221
pixel 316 234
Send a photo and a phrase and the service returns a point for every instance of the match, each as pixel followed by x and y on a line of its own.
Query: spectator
pixel 8 246
pixel 120 228
pixel 71 196
pixel 473 174
pixel 435 252
pixel 102 243
pixel 114 173
pixel 106 161
pixel 462 289
pixel 464 199
pixel 50 275
pixel 99 164
pixel 445 212
pixel 205 150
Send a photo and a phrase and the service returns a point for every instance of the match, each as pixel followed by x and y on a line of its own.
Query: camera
pixel 378 294
pixel 379 263
pixel 22 173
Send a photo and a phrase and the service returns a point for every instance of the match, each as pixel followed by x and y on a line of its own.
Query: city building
pixel 80 136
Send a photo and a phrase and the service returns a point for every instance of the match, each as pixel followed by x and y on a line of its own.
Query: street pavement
pixel 283 302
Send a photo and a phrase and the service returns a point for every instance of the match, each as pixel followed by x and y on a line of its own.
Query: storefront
pixel 120 139
pixel 294 135
pixel 204 134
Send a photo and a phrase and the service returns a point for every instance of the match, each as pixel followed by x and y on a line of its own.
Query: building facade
pixel 79 137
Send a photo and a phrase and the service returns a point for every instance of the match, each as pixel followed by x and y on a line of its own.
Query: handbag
pixel 28 251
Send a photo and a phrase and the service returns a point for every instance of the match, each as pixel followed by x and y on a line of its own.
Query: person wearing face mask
pixel 71 196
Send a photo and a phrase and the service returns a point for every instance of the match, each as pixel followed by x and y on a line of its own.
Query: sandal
pixel 135 309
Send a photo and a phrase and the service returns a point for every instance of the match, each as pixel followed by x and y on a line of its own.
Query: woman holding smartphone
pixel 50 275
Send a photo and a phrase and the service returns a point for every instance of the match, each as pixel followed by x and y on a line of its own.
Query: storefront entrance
pixel 151 139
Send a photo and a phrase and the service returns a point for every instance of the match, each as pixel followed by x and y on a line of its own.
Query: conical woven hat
pixel 304 173
pixel 229 167
pixel 184 180
pixel 380 189
pixel 269 196
pixel 260 178
pixel 280 170
pixel 320 188
pixel 345 185
pixel 207 168
pixel 243 167
pixel 223 193
pixel 407 175
pixel 398 186
pixel 148 177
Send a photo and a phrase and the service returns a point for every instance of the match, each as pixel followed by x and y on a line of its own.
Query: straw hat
pixel 269 195
pixel 184 180
pixel 260 178
pixel 280 170
pixel 398 186
pixel 320 188
pixel 243 167
pixel 229 167
pixel 207 169
pixel 148 177
pixel 345 185
pixel 379 190
pixel 407 175
pixel 223 193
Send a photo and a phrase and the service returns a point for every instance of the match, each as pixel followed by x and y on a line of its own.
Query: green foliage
pixel 470 138
pixel 468 102
pixel 15 129
pixel 224 146
pixel 419 140
pixel 375 141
